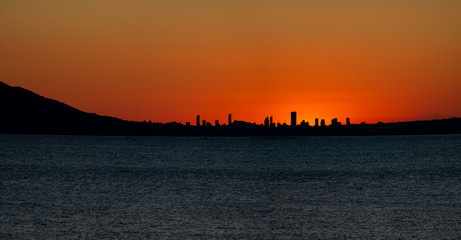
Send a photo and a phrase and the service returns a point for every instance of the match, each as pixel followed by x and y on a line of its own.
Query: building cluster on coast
pixel 269 122
pixel 53 117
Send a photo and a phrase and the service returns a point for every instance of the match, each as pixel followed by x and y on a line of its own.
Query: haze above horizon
pixel 167 61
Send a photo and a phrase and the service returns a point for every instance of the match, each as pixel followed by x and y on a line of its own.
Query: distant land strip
pixel 25 112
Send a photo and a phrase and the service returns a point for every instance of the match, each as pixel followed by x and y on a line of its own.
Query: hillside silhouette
pixel 25 112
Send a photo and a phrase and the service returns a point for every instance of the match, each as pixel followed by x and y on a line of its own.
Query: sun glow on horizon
pixel 169 61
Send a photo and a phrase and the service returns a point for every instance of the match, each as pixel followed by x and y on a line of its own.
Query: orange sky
pixel 170 60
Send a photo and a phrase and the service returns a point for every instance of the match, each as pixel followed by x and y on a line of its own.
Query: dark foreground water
pixel 230 188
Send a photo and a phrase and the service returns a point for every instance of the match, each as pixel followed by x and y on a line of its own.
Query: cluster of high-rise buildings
pixel 269 122
pixel 208 124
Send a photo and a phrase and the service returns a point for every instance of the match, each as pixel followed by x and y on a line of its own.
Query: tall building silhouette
pixel 271 122
pixel 204 123
pixel 229 119
pixel 322 122
pixel 216 123
pixel 334 122
pixel 348 121
pixel 198 121
pixel 316 122
pixel 293 119
pixel 266 122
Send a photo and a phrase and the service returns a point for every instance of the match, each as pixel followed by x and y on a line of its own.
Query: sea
pixel 99 187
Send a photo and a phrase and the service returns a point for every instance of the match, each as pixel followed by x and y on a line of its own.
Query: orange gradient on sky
pixel 165 61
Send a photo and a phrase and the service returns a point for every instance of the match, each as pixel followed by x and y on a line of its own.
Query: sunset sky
pixel 167 61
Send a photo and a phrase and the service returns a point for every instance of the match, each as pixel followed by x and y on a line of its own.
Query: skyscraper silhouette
pixel 293 119
pixel 229 119
pixel 316 122
pixel 198 120
pixel 334 122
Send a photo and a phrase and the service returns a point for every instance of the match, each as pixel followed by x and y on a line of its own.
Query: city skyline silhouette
pixel 26 112
pixel 260 119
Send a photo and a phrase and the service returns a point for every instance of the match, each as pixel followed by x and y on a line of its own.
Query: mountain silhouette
pixel 25 112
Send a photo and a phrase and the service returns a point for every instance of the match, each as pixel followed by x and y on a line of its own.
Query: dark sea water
pixel 388 187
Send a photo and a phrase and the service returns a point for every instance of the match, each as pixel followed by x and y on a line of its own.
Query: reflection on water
pixel 221 188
